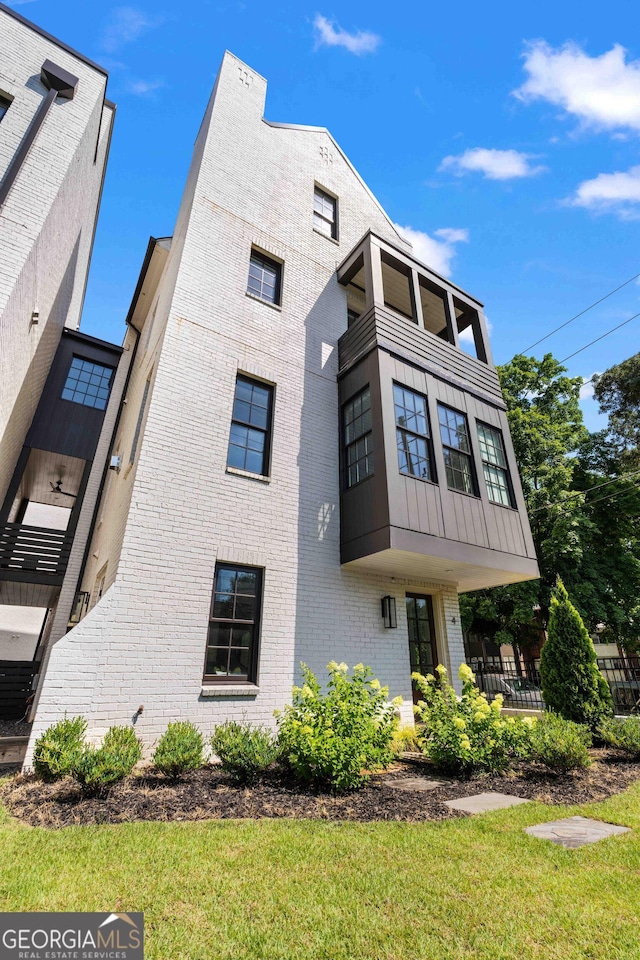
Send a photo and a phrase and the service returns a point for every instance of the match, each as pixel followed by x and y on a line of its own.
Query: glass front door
pixel 423 652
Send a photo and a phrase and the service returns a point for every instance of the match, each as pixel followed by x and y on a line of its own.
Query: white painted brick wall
pixel 178 512
pixel 46 223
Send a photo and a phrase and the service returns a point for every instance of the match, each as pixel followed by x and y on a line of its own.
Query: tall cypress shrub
pixel 572 685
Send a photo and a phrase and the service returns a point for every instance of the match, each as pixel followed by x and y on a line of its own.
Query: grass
pixel 300 890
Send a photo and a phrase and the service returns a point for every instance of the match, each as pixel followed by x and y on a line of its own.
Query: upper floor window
pixel 265 278
pixel 249 440
pixel 5 103
pixel 234 623
pixel 494 465
pixel 358 438
pixel 325 213
pixel 454 433
pixel 412 433
pixel 88 383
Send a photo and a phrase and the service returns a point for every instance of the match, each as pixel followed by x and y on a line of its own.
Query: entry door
pixel 423 652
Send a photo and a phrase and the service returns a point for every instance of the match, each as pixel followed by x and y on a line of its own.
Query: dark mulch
pixel 210 794
pixel 14 728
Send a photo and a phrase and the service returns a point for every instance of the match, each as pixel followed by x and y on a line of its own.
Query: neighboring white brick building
pixel 48 216
pixel 233 464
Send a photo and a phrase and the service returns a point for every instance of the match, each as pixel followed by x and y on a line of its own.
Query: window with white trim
pixel 265 278
pixel 325 213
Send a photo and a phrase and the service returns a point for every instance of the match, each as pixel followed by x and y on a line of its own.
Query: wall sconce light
pixel 389 612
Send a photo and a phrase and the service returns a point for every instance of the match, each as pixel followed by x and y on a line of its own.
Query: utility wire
pixel 579 493
pixel 589 503
pixel 582 312
pixel 597 340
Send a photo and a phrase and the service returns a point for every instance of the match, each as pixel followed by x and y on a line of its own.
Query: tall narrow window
pixel 234 622
pixel 136 436
pixel 358 438
pixel 454 434
pixel 265 278
pixel 325 213
pixel 5 103
pixel 412 433
pixel 88 383
pixel 494 465
pixel 249 440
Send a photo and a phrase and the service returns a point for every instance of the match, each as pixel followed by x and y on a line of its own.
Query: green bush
pixel 466 734
pixel 572 685
pixel 180 749
pixel 244 751
pixel 560 744
pixel 58 748
pixel 623 734
pixel 334 739
pixel 98 768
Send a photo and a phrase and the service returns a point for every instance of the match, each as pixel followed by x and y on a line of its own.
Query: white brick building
pixel 260 512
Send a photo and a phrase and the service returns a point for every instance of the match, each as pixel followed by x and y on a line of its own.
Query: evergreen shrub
pixel 244 751
pixel 58 748
pixel 96 769
pixel 560 744
pixel 179 749
pixel 572 685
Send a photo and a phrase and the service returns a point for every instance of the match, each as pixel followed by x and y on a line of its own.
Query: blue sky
pixel 506 136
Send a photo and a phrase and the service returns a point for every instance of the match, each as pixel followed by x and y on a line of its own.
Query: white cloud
pixel 329 34
pixel 141 88
pixel 435 251
pixel 17 3
pixel 586 390
pixel 603 92
pixel 127 24
pixel 494 164
pixel 611 192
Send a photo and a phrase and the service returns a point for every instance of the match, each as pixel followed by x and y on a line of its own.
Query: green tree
pixel 591 539
pixel 572 685
pixel 617 390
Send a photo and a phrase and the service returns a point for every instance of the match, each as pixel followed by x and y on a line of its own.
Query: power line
pixel 582 312
pixel 579 493
pixel 597 340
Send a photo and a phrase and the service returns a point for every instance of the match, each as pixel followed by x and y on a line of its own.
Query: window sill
pixel 267 303
pixel 246 473
pixel 326 236
pixel 229 690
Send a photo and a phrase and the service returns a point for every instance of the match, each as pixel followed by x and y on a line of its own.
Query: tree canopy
pixel 584 512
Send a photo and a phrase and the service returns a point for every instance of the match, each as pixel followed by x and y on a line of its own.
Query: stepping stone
pixel 483 802
pixel 575 831
pixel 415 783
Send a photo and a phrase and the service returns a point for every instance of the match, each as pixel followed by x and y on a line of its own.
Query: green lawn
pixel 283 890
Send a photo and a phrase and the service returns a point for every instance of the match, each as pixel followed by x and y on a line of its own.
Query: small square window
pixel 265 278
pixel 325 213
pixel 88 383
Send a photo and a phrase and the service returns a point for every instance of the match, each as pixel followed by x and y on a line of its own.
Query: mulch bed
pixel 210 794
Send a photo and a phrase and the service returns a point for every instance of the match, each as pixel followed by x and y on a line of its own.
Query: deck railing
pixel 36 549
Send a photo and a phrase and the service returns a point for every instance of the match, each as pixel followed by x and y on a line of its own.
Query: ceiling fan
pixel 57 488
